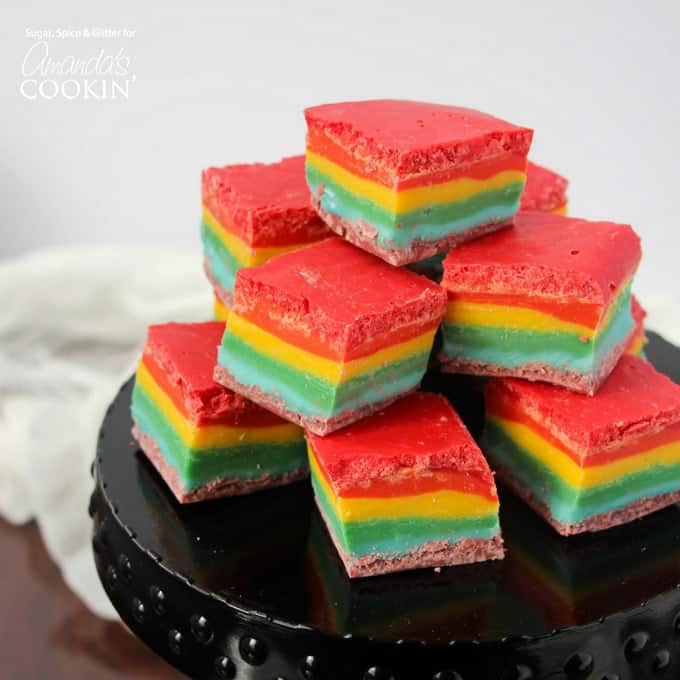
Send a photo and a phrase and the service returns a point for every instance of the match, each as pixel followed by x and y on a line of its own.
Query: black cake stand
pixel 251 587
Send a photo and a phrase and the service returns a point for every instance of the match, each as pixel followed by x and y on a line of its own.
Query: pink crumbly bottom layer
pixel 431 554
pixel 218 488
pixel 364 236
pixel 222 293
pixel 605 520
pixel 573 380
pixel 315 424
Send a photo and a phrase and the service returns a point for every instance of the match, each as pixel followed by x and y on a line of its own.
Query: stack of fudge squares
pixel 326 326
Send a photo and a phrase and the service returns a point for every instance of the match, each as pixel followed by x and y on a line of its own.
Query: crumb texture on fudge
pixel 329 331
pixel 204 431
pixel 587 460
pixel 398 138
pixel 405 486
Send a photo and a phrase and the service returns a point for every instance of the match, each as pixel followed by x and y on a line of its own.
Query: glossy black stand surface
pixel 251 587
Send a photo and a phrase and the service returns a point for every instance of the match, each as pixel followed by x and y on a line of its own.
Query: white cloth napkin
pixel 71 326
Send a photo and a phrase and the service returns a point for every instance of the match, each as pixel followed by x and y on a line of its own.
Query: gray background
pixel 597 80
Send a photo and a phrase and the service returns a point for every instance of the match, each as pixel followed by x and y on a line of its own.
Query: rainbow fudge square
pixel 407 180
pixel 252 213
pixel 588 463
pixel 546 300
pixel 545 191
pixel 205 440
pixel 406 488
pixel 327 334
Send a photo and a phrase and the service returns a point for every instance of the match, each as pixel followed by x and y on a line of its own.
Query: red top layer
pixel 545 190
pixel 407 137
pixel 547 255
pixel 420 432
pixel 634 401
pixel 338 292
pixel 266 205
pixel 186 353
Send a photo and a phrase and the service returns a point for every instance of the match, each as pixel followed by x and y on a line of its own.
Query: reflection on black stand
pixel 577 580
pixel 447 604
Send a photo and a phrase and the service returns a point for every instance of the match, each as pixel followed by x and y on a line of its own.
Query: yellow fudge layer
pixel 331 371
pixel 439 504
pixel 561 464
pixel 212 436
pixel 463 312
pixel 637 345
pixel 220 310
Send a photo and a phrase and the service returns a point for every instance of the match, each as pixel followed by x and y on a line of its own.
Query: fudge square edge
pixel 251 213
pixel 408 180
pixel 588 463
pixel 327 334
pixel 205 440
pixel 544 191
pixel 406 488
pixel 548 299
pixel 638 340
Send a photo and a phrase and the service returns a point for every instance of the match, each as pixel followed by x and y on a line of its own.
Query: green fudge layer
pixel 310 395
pixel 566 503
pixel 198 467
